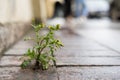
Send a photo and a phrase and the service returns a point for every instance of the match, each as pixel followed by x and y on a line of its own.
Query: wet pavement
pixel 94 54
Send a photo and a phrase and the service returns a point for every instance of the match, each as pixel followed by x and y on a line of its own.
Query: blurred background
pixel 17 15
pixel 26 10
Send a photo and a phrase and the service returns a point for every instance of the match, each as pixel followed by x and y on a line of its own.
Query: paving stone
pixel 8 73
pixel 85 53
pixel 74 42
pixel 82 43
pixel 77 40
pixel 85 48
pixel 16 73
pixel 23 45
pixel 50 74
pixel 16 61
pixel 77 61
pixel 110 37
pixel 89 73
pixel 10 61
pixel 15 52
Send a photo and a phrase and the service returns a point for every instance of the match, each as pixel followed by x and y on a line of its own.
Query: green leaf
pixel 38 27
pixel 37 47
pixel 43 57
pixel 25 63
pixel 60 43
pixel 45 66
pixel 27 38
pixel 57 26
pixel 31 54
pixel 52 58
pixel 51 27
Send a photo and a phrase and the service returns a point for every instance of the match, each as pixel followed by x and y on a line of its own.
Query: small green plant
pixel 45 46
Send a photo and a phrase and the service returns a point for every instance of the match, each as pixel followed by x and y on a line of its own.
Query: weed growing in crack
pixel 45 46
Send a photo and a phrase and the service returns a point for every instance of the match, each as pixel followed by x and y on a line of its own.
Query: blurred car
pixel 97 8
pixel 115 10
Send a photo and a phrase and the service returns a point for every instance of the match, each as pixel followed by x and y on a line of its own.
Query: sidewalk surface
pixel 94 54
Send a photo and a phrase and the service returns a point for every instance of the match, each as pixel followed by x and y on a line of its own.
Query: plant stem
pixel 37 64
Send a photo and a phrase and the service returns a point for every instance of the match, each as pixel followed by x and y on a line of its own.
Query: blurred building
pixel 26 10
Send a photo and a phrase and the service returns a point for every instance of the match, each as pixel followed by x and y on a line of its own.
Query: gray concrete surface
pixel 91 55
